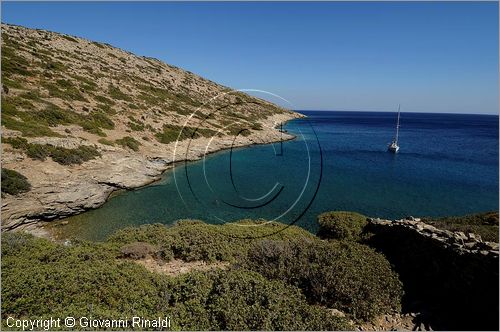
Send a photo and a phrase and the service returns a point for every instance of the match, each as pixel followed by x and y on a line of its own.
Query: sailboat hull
pixel 393 149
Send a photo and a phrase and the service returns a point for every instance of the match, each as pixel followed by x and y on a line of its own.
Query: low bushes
pixel 129 142
pixel 341 225
pixel 192 240
pixel 138 250
pixel 24 122
pixel 14 183
pixel 13 63
pixel 63 156
pixel 38 123
pixel 106 141
pixel 344 275
pixel 115 93
pixel 135 124
pixel 65 90
pixel 79 155
pixel 257 126
pixel 16 142
pixel 243 300
pixel 281 278
pixel 172 133
pixel 104 100
pixel 38 151
pixel 41 279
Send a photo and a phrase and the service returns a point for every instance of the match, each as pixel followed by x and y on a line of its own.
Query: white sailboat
pixel 394 147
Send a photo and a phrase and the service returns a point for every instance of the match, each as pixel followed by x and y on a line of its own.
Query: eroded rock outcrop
pixel 449 277
pixel 460 242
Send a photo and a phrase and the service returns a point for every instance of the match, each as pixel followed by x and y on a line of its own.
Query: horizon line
pixel 379 111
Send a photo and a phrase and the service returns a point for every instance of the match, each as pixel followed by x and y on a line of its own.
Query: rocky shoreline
pixel 58 192
pixel 458 242
pixel 112 118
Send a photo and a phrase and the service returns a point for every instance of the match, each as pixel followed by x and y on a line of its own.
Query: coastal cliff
pixel 81 119
pixel 449 276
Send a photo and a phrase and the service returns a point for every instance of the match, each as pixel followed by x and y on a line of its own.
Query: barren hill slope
pixel 81 119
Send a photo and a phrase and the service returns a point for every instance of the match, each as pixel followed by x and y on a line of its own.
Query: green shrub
pixel 129 142
pixel 235 130
pixel 14 183
pixel 192 240
pixel 116 93
pixel 41 278
pixel 78 155
pixel 171 133
pixel 32 95
pixel 106 142
pixel 25 122
pixel 91 128
pixel 98 44
pixel 16 142
pixel 65 90
pixel 242 300
pixel 28 128
pixel 54 116
pixel 106 109
pixel 36 123
pixel 10 83
pixel 101 120
pixel 257 126
pixel 39 151
pixel 86 83
pixel 135 126
pixel 71 39
pixel 344 275
pixel 104 100
pixel 153 96
pixel 341 225
pixel 12 62
pixel 54 66
pixel 138 250
pixel 61 155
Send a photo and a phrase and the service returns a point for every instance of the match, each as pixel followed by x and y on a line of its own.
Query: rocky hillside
pixel 81 119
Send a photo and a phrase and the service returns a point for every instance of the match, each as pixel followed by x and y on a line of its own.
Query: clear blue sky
pixel 430 57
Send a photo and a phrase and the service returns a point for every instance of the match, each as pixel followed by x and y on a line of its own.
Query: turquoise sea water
pixel 447 165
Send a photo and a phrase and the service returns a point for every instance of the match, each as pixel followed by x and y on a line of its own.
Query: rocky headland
pixel 81 119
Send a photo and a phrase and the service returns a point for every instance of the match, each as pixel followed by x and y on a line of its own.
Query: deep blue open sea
pixel 447 165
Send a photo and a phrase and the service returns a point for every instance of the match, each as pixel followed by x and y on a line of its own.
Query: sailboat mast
pixel 397 126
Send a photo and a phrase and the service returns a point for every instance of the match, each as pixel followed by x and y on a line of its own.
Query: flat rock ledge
pixel 459 242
